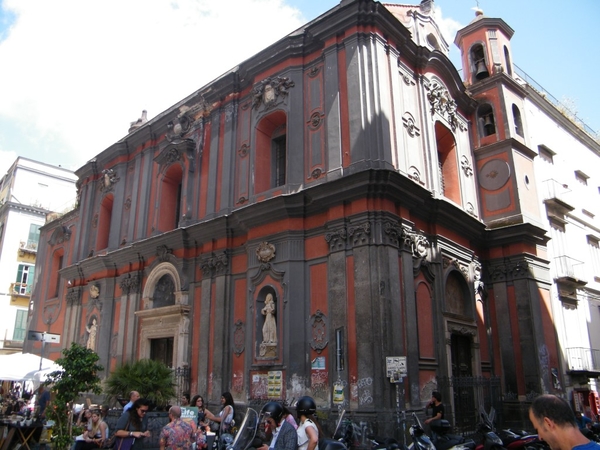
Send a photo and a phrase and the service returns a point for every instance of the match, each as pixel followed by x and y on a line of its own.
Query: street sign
pixel 34 335
pixel 52 338
pixel 43 336
pixel 395 366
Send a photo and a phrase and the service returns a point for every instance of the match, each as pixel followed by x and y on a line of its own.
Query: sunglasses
pixel 143 411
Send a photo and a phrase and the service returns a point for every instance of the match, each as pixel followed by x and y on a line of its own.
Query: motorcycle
pixel 443 441
pixel 521 440
pixel 357 436
pixel 491 441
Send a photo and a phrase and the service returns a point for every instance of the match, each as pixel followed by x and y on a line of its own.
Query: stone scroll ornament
pixel 270 91
pixel 441 102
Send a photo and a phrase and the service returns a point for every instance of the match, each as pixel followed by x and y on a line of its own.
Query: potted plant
pixel 152 379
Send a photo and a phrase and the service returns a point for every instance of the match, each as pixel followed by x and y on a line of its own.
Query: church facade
pixel 335 203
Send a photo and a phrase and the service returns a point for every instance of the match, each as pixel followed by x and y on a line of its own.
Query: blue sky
pixel 76 73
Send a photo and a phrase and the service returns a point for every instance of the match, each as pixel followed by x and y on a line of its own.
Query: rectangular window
pixel 20 325
pixel 546 154
pixel 34 236
pixel 279 158
pixel 594 244
pixel 24 279
pixel 581 177
pixel 59 264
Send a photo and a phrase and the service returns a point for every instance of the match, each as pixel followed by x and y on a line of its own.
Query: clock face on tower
pixel 494 174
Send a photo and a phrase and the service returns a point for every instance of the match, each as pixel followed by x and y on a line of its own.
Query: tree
pixel 152 379
pixel 79 374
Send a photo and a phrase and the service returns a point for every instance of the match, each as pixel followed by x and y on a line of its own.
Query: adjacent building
pixel 29 192
pixel 339 213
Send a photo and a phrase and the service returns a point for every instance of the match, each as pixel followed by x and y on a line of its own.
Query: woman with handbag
pixel 132 427
pixel 225 417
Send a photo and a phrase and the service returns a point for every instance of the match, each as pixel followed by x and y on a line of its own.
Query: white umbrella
pixel 23 366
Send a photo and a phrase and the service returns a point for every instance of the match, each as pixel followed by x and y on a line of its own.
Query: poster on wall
pixel 275 384
pixel 259 387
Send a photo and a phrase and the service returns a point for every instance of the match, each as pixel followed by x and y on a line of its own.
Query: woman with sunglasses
pixel 134 423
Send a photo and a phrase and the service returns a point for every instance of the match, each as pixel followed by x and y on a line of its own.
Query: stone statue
pixel 270 326
pixel 92 331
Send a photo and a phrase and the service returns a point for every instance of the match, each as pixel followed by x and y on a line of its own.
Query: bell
pixel 488 125
pixel 481 71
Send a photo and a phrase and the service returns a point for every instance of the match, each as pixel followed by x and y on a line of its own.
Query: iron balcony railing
pixel 583 359
pixel 555 190
pixel 21 288
pixel 570 268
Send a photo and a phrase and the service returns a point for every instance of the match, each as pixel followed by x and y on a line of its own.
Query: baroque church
pixel 340 216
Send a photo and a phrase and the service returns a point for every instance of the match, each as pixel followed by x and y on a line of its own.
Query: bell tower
pixel 499 132
pixel 509 203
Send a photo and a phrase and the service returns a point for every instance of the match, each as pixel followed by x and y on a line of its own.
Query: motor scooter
pixel 420 441
pixel 443 439
pixel 490 441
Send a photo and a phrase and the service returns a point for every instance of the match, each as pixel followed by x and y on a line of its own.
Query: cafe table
pixel 12 433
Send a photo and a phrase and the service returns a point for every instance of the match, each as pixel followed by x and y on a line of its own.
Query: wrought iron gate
pixel 182 381
pixel 462 397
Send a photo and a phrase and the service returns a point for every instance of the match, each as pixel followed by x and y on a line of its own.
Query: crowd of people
pixel 281 429
pixel 552 417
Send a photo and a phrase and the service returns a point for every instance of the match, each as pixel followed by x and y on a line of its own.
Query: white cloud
pixel 6 160
pixel 448 26
pixel 80 71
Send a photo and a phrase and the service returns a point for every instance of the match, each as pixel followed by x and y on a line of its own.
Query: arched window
pixel 170 198
pixel 448 164
pixel 518 121
pixel 478 63
pixel 507 59
pixel 164 292
pixel 104 222
pixel 271 152
pixel 485 120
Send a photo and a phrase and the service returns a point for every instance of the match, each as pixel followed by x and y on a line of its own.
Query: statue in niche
pixel 92 332
pixel 268 348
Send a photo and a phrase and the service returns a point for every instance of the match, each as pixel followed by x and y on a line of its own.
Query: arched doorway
pixel 164 318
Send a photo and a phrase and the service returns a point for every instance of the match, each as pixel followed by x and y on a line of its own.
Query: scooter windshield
pixel 246 431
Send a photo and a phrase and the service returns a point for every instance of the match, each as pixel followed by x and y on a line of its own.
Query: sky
pixel 75 73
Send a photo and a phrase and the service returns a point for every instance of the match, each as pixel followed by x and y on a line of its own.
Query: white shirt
pixel 302 436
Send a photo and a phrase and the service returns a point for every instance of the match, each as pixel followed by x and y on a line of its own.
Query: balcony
pixel 569 272
pixel 581 359
pixel 29 247
pixel 555 197
pixel 21 289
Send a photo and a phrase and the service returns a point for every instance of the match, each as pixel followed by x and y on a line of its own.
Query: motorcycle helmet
pixel 306 406
pixel 273 410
